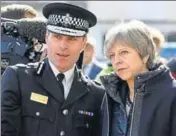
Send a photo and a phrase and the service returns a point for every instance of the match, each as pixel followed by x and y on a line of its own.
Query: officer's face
pixel 63 50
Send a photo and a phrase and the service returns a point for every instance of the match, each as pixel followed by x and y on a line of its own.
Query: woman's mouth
pixel 121 69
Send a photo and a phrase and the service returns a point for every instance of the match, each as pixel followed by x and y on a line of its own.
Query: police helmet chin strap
pixel 80 61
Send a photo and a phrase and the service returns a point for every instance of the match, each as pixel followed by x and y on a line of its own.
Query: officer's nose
pixel 63 43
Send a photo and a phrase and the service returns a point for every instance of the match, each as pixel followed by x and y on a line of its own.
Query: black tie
pixel 60 78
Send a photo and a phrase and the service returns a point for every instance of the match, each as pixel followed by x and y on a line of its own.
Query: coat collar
pixel 113 84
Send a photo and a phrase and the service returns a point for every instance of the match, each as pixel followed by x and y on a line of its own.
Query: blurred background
pixel 158 14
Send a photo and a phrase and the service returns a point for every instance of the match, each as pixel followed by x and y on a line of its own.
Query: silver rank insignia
pixel 67 19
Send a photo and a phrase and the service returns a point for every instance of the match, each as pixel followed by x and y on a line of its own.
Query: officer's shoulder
pixel 96 89
pixel 94 84
pixel 29 67
pixel 26 66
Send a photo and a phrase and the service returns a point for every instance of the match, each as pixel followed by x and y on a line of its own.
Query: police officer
pixel 53 98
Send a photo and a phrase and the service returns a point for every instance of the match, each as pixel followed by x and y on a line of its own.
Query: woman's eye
pixel 111 56
pixel 123 52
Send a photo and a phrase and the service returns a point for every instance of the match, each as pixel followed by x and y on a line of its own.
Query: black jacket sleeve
pixel 10 103
pixel 97 123
pixel 173 117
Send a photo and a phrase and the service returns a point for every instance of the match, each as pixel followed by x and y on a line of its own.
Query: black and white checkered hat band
pixel 67 20
pixel 65 31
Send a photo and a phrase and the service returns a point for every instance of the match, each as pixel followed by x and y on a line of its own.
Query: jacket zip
pixel 108 116
pixel 132 120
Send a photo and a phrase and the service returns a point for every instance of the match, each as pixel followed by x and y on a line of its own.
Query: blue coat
pixel 154 112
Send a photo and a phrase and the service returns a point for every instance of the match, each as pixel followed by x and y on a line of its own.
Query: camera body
pixel 16 48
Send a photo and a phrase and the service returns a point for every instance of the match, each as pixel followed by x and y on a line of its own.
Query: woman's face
pixel 126 61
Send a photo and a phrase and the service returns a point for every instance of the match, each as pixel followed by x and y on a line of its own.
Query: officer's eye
pixel 56 36
pixel 73 38
pixel 59 36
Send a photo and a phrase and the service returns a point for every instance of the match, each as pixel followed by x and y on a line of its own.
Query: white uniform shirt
pixel 68 79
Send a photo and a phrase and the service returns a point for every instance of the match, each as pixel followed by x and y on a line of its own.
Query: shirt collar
pixel 68 74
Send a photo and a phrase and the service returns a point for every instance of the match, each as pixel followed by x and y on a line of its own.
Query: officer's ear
pixel 46 36
pixel 84 42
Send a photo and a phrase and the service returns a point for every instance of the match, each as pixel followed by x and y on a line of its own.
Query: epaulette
pixel 32 65
pixel 86 79
pixel 21 65
pixel 97 83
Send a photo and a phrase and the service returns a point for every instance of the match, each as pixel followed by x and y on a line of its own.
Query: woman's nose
pixel 117 59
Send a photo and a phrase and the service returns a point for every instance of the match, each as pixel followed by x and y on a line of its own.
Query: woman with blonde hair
pixel 140 97
pixel 158 39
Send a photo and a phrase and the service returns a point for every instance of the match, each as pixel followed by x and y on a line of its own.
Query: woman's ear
pixel 145 59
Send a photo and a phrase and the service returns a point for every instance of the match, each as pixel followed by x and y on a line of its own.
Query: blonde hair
pixel 158 37
pixel 17 11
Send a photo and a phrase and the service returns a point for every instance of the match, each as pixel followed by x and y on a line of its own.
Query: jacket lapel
pixel 78 89
pixel 48 81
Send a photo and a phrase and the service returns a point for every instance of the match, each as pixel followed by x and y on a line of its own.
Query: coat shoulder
pixel 96 84
pixel 96 87
pixel 25 68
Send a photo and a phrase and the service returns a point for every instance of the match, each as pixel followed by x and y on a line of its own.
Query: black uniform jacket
pixel 32 103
